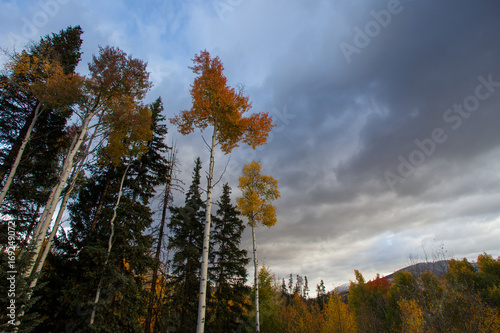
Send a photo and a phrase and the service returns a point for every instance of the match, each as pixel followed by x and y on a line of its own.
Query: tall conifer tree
pixel 228 272
pixel 185 242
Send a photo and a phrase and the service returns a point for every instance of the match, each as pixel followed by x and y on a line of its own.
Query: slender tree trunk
pixel 20 152
pixel 256 279
pixel 110 244
pixel 39 226
pixel 50 208
pixel 53 200
pixel 9 159
pixel 48 245
pixel 44 223
pixel 200 328
pixel 168 185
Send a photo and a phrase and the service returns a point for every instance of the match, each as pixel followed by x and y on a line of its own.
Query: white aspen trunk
pixel 50 208
pixel 110 244
pixel 200 327
pixel 27 273
pixel 20 153
pixel 42 225
pixel 48 245
pixel 53 200
pixel 44 222
pixel 256 279
pixel 39 225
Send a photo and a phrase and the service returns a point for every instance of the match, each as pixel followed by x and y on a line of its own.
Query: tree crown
pixel 258 193
pixel 216 104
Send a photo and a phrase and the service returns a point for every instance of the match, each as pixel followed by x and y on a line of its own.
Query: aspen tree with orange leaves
pixel 217 105
pixel 111 96
pixel 38 74
pixel 259 191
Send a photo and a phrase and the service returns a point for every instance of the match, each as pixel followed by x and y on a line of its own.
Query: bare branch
pixel 206 143
pixel 223 172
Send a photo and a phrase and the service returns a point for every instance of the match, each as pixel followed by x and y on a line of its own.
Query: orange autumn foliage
pixel 44 78
pixel 129 132
pixel 216 104
pixel 379 284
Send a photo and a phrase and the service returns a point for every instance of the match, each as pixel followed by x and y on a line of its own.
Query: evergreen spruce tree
pixel 305 291
pixel 228 273
pixel 82 253
pixel 77 267
pixel 161 160
pixel 299 281
pixel 152 169
pixel 185 242
pixel 321 294
pixel 284 290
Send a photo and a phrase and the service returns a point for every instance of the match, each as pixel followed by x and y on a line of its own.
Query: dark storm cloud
pixel 426 60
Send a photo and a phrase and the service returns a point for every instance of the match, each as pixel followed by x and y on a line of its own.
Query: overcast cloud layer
pixel 387 139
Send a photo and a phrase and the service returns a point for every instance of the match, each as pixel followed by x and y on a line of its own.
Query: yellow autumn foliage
pixel 337 317
pixel 44 78
pixel 412 317
pixel 258 193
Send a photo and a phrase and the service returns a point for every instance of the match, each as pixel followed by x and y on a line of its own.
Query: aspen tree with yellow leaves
pixel 258 193
pixel 338 318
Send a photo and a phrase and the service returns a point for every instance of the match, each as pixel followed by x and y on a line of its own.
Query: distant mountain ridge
pixel 438 268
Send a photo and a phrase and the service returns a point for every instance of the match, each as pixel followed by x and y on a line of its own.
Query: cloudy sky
pixel 387 113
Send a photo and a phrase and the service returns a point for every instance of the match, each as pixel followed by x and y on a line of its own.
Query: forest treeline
pixel 88 153
pixel 464 299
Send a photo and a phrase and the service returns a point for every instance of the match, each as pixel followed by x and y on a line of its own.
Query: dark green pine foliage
pixel 38 170
pixel 151 170
pixel 67 45
pixel 77 266
pixel 78 263
pixel 155 319
pixel 227 272
pixel 321 295
pixel 185 243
